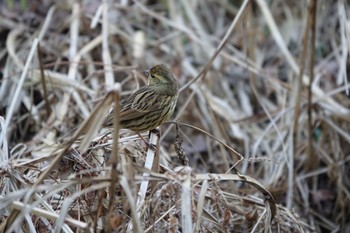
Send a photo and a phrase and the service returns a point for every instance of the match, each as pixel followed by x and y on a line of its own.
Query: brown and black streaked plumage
pixel 151 105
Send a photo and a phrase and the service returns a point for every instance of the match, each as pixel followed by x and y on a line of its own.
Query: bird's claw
pixel 155 131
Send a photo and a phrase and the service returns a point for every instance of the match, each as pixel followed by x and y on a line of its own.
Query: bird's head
pixel 160 74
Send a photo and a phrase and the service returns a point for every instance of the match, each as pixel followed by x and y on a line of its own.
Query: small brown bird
pixel 151 105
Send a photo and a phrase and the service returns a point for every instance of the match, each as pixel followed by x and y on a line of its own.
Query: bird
pixel 151 105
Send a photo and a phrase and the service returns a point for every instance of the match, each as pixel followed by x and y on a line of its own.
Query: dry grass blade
pixel 240 157
pixel 220 47
pixel 15 97
pixel 91 125
pixel 43 82
pixel 149 164
pixel 200 204
pixel 114 160
pixel 47 214
pixel 279 40
pixel 186 197
pixel 312 16
pixel 88 128
pixel 135 220
pixel 109 77
pixel 222 177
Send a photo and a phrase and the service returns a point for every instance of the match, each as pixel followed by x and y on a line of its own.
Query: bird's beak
pixel 146 72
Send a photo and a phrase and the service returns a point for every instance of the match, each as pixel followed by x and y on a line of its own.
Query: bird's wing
pixel 141 102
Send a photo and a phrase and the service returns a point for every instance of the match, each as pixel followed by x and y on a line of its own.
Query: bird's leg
pixel 157 132
pixel 144 140
pixel 151 146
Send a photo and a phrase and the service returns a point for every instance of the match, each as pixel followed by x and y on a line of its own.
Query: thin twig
pixel 43 81
pixel 312 14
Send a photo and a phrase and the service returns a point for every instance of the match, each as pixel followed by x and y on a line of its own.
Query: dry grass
pixel 257 148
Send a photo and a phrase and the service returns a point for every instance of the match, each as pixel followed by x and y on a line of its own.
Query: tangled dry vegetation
pixel 256 148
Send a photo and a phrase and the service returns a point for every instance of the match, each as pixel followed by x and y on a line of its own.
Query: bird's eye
pixel 153 76
pixel 146 73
